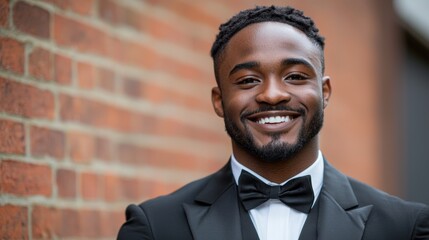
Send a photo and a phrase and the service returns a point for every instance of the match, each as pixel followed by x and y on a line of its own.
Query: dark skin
pixel 272 64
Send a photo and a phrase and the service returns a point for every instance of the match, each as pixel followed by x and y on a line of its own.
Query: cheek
pixel 236 104
pixel 310 98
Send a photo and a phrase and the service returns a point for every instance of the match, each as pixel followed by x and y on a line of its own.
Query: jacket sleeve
pixel 136 226
pixel 421 228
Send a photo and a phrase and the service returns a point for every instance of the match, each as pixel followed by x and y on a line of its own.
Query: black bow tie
pixel 296 193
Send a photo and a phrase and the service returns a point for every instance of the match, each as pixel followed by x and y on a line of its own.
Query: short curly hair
pixel 259 14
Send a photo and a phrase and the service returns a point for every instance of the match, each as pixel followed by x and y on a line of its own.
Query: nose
pixel 273 92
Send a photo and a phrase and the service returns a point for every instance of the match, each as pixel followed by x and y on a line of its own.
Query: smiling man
pixel 271 92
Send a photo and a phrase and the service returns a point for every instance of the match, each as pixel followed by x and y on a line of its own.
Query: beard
pixel 275 150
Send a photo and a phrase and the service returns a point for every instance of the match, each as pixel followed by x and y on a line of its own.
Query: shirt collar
pixel 315 171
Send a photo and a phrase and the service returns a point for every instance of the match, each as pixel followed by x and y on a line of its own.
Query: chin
pixel 275 151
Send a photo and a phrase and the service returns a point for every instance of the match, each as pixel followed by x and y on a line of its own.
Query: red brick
pixel 12 137
pixel 25 179
pixel 132 154
pixel 125 188
pixel 31 19
pixel 137 54
pixel 25 100
pixel 62 69
pixel 90 223
pixel 91 186
pixel 147 57
pixel 157 94
pixel 142 156
pixel 150 188
pixel 112 187
pixel 40 64
pixel 80 36
pixel 116 14
pixel 163 29
pixel 45 222
pixel 131 189
pixel 101 115
pixel 155 187
pixel 193 12
pixel 81 110
pixel 4 12
pixel 13 222
pixel 133 87
pixel 11 55
pixel 172 127
pixel 116 48
pixel 87 75
pixel 106 80
pixel 179 34
pixel 107 116
pixel 47 142
pixel 82 147
pixel 160 28
pixel 185 70
pixel 111 222
pixel 136 155
pixel 68 224
pixel 104 149
pixel 80 7
pixel 66 183
pixel 50 223
pixel 111 12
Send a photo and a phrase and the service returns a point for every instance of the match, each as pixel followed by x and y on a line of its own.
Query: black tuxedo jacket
pixel 208 209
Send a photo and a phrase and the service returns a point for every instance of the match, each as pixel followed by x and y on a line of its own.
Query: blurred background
pixel 107 102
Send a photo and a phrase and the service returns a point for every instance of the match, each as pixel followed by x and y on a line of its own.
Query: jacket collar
pixel 340 216
pixel 215 213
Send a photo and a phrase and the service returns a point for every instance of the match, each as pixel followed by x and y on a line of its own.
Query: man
pixel 272 92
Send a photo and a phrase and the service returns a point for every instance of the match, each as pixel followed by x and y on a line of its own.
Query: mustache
pixel 266 108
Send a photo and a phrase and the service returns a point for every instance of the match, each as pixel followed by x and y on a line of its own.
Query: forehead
pixel 269 42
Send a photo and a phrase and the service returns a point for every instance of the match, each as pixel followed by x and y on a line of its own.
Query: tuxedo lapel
pixel 340 216
pixel 215 213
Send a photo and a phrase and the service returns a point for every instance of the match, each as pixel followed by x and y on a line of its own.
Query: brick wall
pixel 104 103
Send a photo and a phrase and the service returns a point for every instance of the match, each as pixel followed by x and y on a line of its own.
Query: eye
pixel 296 76
pixel 247 81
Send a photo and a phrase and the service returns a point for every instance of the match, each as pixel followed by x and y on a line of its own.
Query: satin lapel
pixel 337 224
pixel 340 216
pixel 215 214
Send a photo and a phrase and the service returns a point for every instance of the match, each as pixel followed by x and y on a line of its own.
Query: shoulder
pixel 389 210
pixel 343 187
pixel 149 219
pixel 368 195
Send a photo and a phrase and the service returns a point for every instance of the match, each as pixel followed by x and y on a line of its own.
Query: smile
pixel 274 119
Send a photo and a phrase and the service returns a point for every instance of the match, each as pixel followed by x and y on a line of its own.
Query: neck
pixel 283 170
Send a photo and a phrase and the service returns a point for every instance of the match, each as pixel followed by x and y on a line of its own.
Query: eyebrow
pixel 297 61
pixel 285 62
pixel 245 65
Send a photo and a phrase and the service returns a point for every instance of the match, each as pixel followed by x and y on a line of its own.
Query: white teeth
pixel 276 119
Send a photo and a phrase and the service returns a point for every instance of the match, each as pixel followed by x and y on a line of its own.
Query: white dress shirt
pixel 273 220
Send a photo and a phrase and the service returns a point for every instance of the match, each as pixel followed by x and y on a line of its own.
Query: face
pixel 271 91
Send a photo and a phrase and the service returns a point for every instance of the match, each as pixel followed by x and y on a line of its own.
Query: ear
pixel 217 101
pixel 326 90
